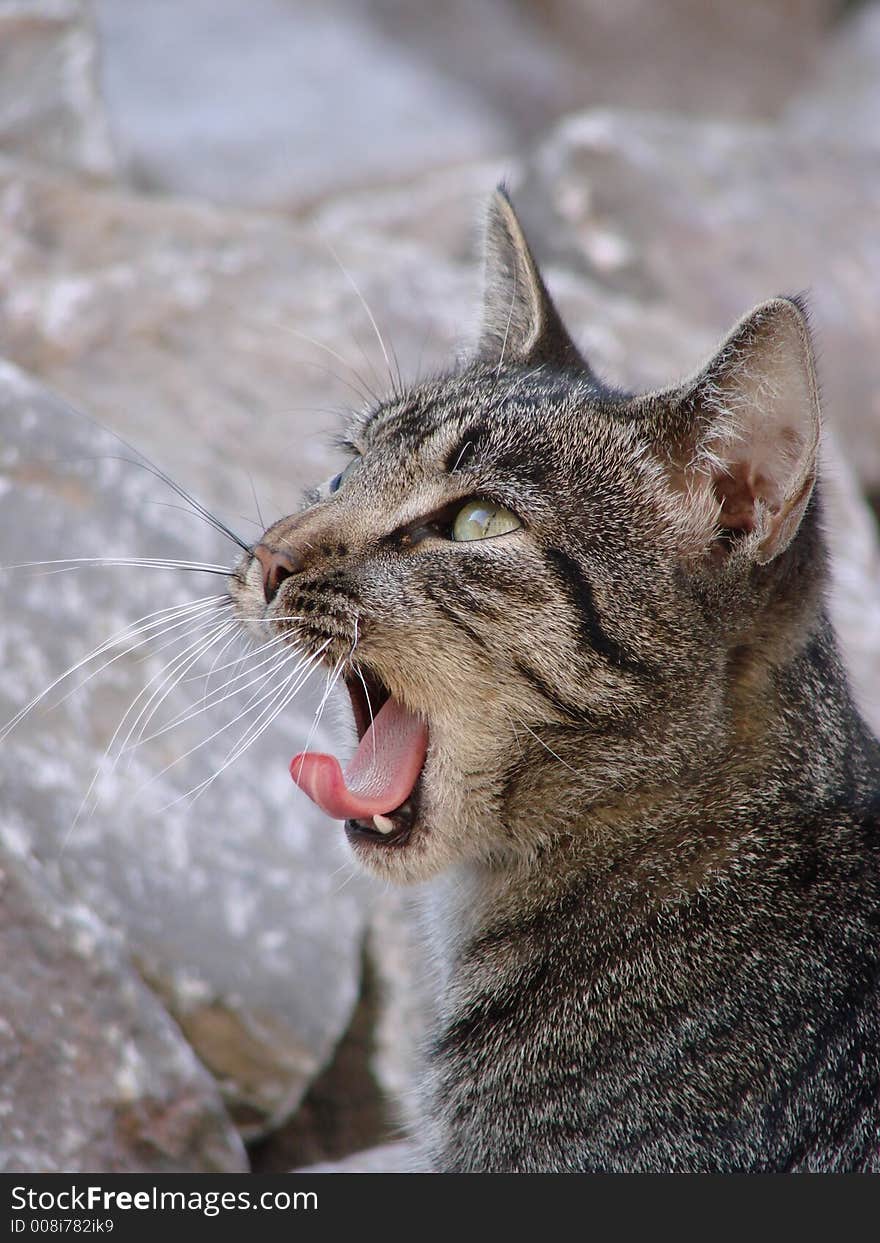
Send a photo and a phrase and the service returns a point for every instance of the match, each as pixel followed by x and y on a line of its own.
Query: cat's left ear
pixel 520 323
pixel 741 438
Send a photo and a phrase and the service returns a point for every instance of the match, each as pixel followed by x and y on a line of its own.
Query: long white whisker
pixel 272 617
pixel 547 748
pixel 276 645
pixel 142 625
pixel 348 276
pixel 369 707
pixel 512 722
pixel 319 711
pixel 364 392
pixel 273 710
pixel 302 660
pixel 167 563
pixel 145 464
pixel 363 684
pixel 194 620
pixel 245 656
pixel 256 502
pixel 109 748
pixel 303 671
pixel 170 677
pixel 252 733
pixel 322 345
pixel 165 677
pixel 236 635
pixel 223 692
pixel 159 677
pixel 259 697
pixel 197 507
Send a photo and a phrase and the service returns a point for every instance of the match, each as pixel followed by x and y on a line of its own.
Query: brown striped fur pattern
pixel 649 811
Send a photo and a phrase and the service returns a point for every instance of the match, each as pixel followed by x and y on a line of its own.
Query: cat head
pixel 539 591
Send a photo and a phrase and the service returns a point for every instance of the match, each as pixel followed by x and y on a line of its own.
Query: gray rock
pixel 283 103
pixel 697 221
pixel 237 904
pixel 401 958
pixel 224 344
pixel 535 60
pixel 854 599
pixel 192 331
pixel 50 107
pixel 346 1109
pixel 386 1159
pixel 842 100
pixel 95 1076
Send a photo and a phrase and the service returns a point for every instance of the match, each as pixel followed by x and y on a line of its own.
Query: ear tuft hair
pixel 742 435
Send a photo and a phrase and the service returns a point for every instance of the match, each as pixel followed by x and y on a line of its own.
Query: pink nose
pixel 276 567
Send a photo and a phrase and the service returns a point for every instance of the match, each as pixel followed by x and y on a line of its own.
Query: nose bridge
pixel 309 538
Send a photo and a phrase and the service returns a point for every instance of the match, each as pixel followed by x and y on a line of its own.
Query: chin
pixel 422 844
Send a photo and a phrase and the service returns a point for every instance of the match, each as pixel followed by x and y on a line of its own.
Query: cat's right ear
pixel 520 323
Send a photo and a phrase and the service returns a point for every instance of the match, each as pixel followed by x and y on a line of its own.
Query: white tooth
pixel 383 824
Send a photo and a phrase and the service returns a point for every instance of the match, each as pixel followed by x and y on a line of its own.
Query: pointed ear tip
pixel 500 205
pixel 792 307
pixel 787 317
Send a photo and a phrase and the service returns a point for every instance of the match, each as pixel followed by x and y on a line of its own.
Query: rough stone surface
pixel 536 59
pixel 223 342
pixel 842 101
pixel 346 1108
pixel 855 572
pixel 279 102
pixel 237 905
pixel 93 1073
pixel 285 102
pixel 697 221
pixel 396 1158
pixel 50 107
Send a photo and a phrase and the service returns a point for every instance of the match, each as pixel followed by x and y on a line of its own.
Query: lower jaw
pixel 403 823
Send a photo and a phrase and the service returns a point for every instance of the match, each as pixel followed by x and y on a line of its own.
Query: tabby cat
pixel 600 704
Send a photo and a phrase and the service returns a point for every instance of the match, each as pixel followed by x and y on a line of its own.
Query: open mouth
pixel 377 792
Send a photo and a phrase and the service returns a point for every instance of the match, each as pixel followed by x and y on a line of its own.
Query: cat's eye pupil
pixel 335 482
pixel 482 520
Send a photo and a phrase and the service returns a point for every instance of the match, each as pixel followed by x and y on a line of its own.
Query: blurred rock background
pixel 194 197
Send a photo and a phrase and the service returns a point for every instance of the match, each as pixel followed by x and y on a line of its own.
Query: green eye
pixel 482 520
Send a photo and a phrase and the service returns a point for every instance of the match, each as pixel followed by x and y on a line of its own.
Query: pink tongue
pixel 382 771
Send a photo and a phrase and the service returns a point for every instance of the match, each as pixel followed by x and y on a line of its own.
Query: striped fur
pixel 649 812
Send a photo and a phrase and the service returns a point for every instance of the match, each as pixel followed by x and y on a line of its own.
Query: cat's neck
pixel 792 748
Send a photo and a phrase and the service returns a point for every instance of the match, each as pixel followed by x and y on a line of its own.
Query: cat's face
pixel 488 638
pixel 514 576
